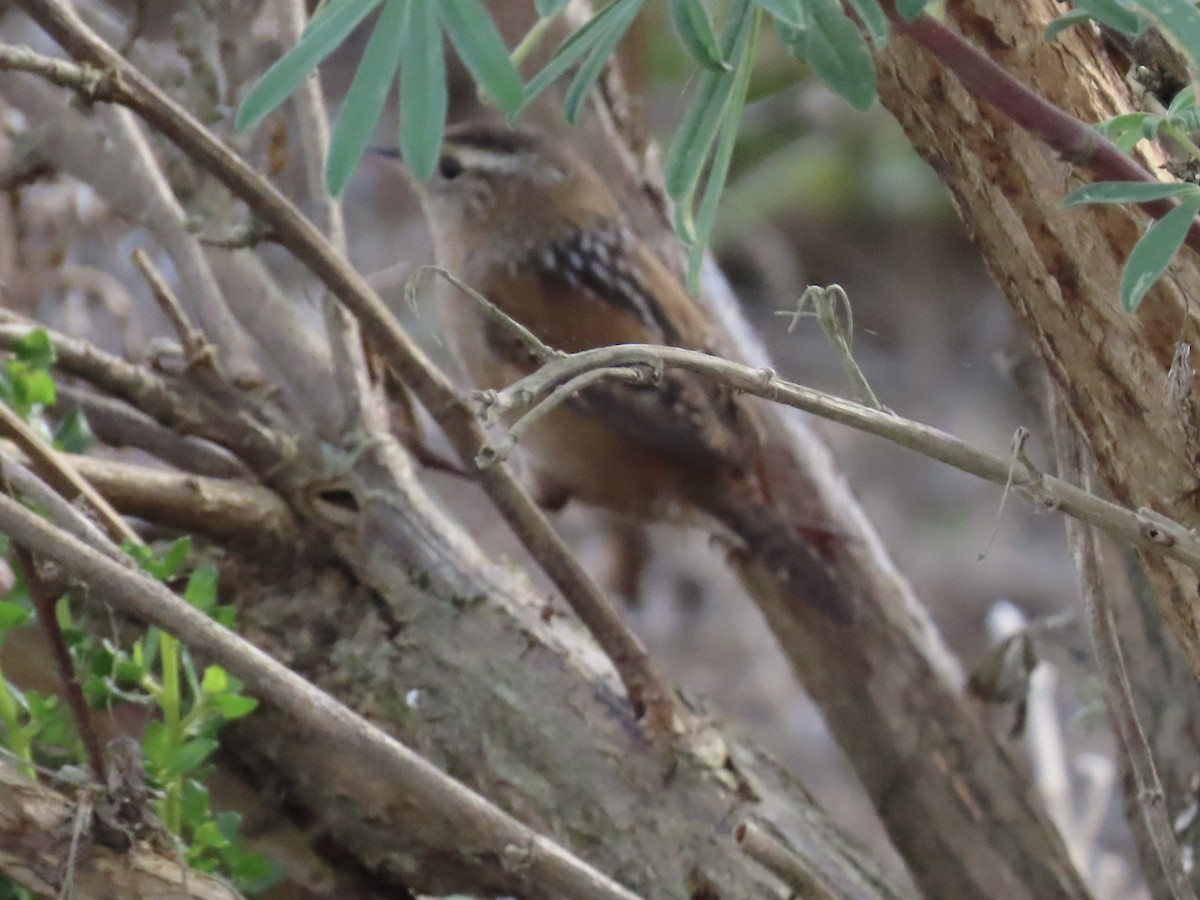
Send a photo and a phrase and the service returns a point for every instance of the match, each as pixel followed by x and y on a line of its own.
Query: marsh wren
pixel 527 222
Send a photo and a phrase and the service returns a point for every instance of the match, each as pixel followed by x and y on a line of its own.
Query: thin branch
pixel 444 805
pixel 786 864
pixel 191 339
pixel 1076 141
pixel 118 424
pixel 1154 821
pixel 648 691
pixel 224 509
pixel 43 605
pixel 1143 528
pixel 62 474
pixel 176 406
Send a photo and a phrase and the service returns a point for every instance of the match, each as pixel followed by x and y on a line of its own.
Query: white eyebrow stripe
pixel 490 160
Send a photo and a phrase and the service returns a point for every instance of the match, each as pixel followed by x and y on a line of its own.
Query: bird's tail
pixel 790 554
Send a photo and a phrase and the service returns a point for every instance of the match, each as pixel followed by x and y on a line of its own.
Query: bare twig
pixel 1153 821
pixel 43 605
pixel 789 867
pixel 175 406
pixel 1142 528
pixel 648 691
pixel 546 869
pixel 62 475
pixel 224 509
pixel 195 347
pixel 118 424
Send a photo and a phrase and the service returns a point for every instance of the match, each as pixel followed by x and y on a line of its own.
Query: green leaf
pixel 34 387
pixel 12 615
pixel 604 48
pixel 368 92
pixel 695 135
pixel 874 18
pixel 234 706
pixel 548 8
pixel 215 680
pixel 1127 129
pixel 1113 13
pixel 1183 101
pixel 74 434
pixel 482 50
pixel 837 52
pixel 1154 251
pixel 695 30
pixel 182 760
pixel 1065 21
pixel 722 158
pixel 789 11
pixel 573 49
pixel 173 559
pixel 321 38
pixel 423 99
pixel 910 9
pixel 35 350
pixel 201 590
pixel 1127 192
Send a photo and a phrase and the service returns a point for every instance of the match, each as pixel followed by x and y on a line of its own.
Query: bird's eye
pixel 449 168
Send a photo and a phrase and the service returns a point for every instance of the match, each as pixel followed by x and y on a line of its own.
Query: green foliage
pixel 154 671
pixel 407 39
pixel 27 387
pixel 1155 249
pixel 1179 22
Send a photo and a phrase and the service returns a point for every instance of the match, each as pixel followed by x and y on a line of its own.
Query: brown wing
pixel 599 289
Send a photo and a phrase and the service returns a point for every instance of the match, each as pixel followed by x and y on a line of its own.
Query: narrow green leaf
pixel 1183 101
pixel 910 9
pixel 181 760
pixel 1127 192
pixel 1065 21
pixel 695 135
pixel 1127 129
pixel 1154 251
pixel 548 8
pixel 837 52
pixel 1113 13
pixel 573 48
pixel 320 39
pixel 874 18
pixel 719 171
pixel 423 99
pixel 368 92
pixel 482 50
pixel 691 22
pixel 789 11
pixel 605 46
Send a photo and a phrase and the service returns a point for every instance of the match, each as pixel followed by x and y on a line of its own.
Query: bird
pixel 525 220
